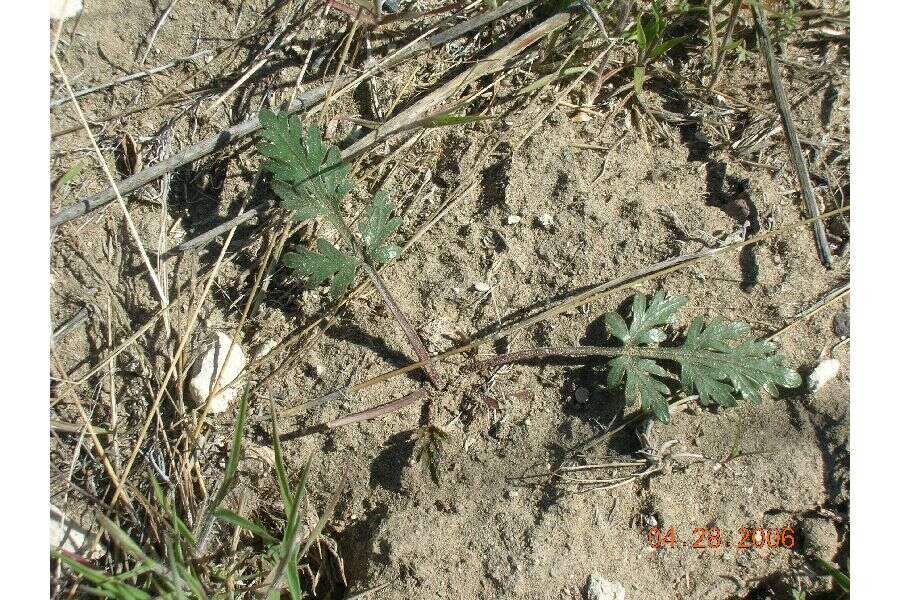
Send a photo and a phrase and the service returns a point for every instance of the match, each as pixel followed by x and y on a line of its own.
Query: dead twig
pixel 427 105
pixel 790 131
pixel 380 411
pixel 130 77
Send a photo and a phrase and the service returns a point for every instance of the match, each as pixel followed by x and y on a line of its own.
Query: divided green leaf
pixel 718 360
pixel 377 226
pixel 309 175
pixel 641 385
pixel 645 320
pixel 327 263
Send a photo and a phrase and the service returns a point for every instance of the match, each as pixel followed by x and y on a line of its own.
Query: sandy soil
pixel 624 194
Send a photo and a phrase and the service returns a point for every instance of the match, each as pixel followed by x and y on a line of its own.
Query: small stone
pixel 67 535
pixel 207 369
pixel 264 348
pixel 599 588
pixel 820 537
pixel 482 287
pixel 546 220
pixel 512 494
pixel 841 324
pixel 582 395
pixel 262 457
pixel 824 372
pixel 513 219
pixel 64 9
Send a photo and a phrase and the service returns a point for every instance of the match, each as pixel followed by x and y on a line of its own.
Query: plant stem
pixel 729 31
pixel 412 337
pixel 670 354
pixel 380 411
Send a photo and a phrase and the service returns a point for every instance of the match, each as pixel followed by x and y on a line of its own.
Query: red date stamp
pixel 703 538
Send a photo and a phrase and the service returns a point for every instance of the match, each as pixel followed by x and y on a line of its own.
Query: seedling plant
pixel 312 182
pixel 647 34
pixel 717 360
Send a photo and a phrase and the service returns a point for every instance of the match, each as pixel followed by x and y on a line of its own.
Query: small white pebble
pixel 64 9
pixel 512 494
pixel 824 372
pixel 481 286
pixel 513 219
pixel 546 220
pixel 264 348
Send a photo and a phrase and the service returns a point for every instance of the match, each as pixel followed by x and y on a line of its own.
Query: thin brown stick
pixel 648 273
pixel 832 296
pixel 545 352
pixel 380 411
pixel 156 27
pixel 130 77
pixel 790 131
pixel 132 230
pixel 428 105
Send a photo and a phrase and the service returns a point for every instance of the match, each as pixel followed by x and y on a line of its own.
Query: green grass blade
pixel 293 522
pixel 234 456
pixel 179 526
pixel 326 516
pixel 124 541
pixel 293 579
pixel 280 473
pixel 239 521
pixel 840 578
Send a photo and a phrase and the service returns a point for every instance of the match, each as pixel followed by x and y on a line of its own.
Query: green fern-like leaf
pixel 327 263
pixel 309 176
pixel 645 320
pixel 377 226
pixel 718 360
pixel 642 384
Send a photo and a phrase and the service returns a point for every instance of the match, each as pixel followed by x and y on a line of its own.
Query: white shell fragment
pixel 600 588
pixel 207 369
pixel 513 219
pixel 482 287
pixel 824 372
pixel 546 220
pixel 66 535
pixel 64 9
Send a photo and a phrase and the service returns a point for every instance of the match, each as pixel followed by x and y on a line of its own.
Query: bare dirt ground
pixel 538 202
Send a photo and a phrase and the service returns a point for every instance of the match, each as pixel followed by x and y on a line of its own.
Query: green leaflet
pixel 641 385
pixel 327 263
pixel 377 226
pixel 645 320
pixel 309 176
pixel 718 360
pixel 311 179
